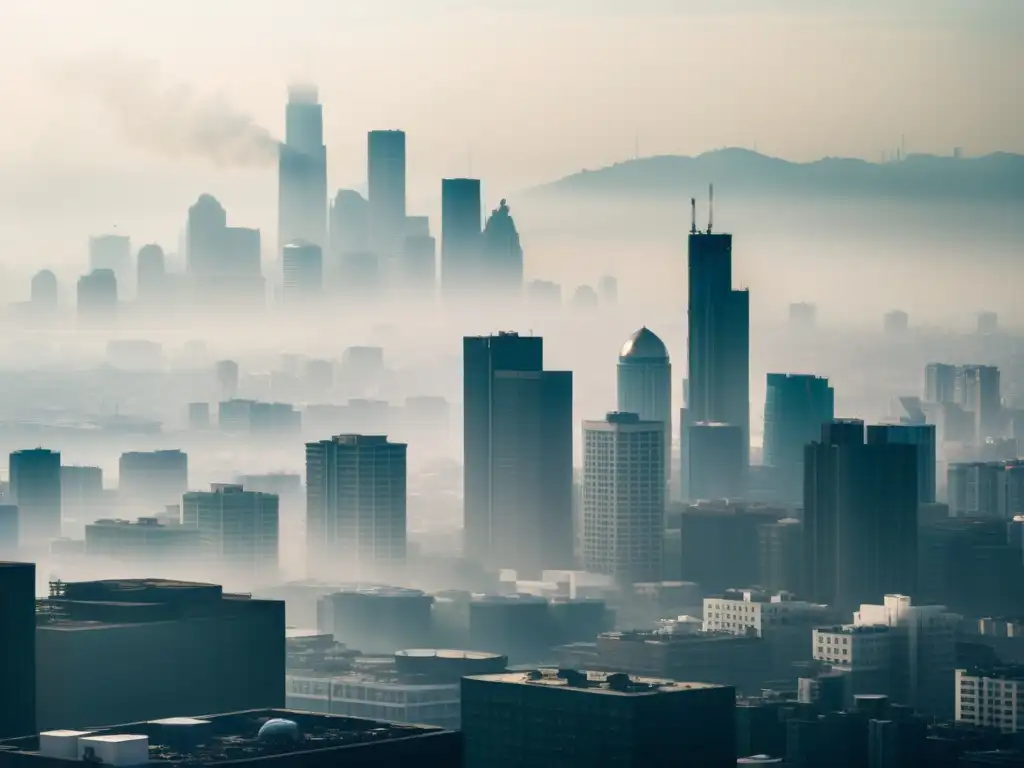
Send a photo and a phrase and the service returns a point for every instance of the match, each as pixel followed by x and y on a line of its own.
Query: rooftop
pixel 643 345
pixel 611 683
pixel 853 629
pixel 234 736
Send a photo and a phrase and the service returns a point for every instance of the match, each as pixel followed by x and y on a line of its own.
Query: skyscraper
pixel 795 408
pixel 238 529
pixel 921 436
pixel 718 342
pixel 860 517
pixel 517 428
pixel 502 255
pixel 303 270
pixel 152 274
pixel 645 383
pixel 18 639
pixel 624 497
pixel 978 391
pixel 35 487
pixel 419 258
pixel 97 296
pixel 152 479
pixel 460 235
pixel 718 461
pixel 113 252
pixel 356 507
pixel 385 154
pixel 940 383
pixel 224 263
pixel 44 289
pixel 302 171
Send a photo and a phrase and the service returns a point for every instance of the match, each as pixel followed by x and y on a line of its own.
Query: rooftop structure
pixel 614 683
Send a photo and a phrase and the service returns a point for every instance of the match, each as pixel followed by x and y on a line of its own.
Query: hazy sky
pixel 534 89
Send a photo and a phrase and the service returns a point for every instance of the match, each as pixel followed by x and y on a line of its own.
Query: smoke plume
pixel 172 120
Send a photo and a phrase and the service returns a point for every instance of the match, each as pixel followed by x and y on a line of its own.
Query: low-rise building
pixel 991 697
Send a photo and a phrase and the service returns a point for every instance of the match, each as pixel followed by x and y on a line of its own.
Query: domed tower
pixel 44 289
pixel 645 382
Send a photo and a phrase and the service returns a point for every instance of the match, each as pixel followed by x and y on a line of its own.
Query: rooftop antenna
pixel 693 216
pixel 711 206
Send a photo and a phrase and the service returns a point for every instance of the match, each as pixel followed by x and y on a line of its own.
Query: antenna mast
pixel 711 206
pixel 693 216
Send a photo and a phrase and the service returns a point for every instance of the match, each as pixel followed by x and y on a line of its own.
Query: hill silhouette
pixel 998 176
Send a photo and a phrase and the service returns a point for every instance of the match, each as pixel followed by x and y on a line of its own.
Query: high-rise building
pixel 151 285
pixel 204 236
pixel 113 252
pixel 81 491
pixel 501 254
pixel 419 259
pixel 517 442
pixel 940 383
pixel 152 479
pixel 44 289
pixel 624 497
pixel 302 171
pixel 460 235
pixel 238 529
pixel 18 638
pixel 227 379
pixel 350 225
pixel 303 268
pixel 386 180
pixel 922 436
pixel 860 517
pixel 795 408
pixel 644 376
pixel 718 461
pixel 97 296
pixel 356 507
pixel 509 720
pixel 978 391
pixel 719 336
pixel 35 487
pixel 224 262
pixel 780 558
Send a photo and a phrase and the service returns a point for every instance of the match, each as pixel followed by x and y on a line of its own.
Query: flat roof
pixel 609 683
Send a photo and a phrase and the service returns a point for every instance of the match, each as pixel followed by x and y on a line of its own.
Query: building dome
pixel 643 345
pixel 279 730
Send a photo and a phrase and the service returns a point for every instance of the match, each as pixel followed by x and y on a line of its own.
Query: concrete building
pixel 238 529
pixel 624 497
pixel 922 437
pixel 780 550
pixel 147 540
pixel 518 446
pixel 111 651
pixel 992 698
pixel 863 654
pixel 721 543
pixel 509 720
pixel 644 383
pixel 270 738
pixel 18 639
pixel 35 486
pixel 376 619
pixel 985 489
pixel 356 507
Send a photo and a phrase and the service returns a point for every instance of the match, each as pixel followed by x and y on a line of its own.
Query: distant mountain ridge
pixel 998 176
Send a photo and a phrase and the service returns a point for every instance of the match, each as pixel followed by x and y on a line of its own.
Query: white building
pixel 238 529
pixel 863 654
pixel 751 611
pixel 993 698
pixel 624 490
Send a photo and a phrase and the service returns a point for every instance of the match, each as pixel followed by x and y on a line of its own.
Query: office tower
pixel 113 252
pixel 224 263
pixel 303 268
pixel 896 322
pixel 152 274
pixel 624 497
pixel 356 507
pixel 152 479
pixel 501 254
pixel 385 172
pixel 18 639
pixel 82 496
pixel 795 408
pixel 608 290
pixel 645 383
pixel 860 517
pixel 419 258
pixel 238 529
pixel 988 322
pixel 803 315
pixel 350 242
pixel 97 296
pixel 718 461
pixel 780 558
pixel 44 289
pixel 922 436
pixel 721 543
pixel 204 236
pixel 34 475
pixel 9 531
pixel 116 650
pixel 940 383
pixel 978 391
pixel 718 342
pixel 543 294
pixel 460 235
pixel 517 443
pixel 508 721
pixel 302 171
pixel 973 488
pixel 227 379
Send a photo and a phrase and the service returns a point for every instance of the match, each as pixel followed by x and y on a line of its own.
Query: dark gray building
pixel 718 461
pixel 795 408
pixel 35 487
pixel 502 254
pixel 18 639
pixel 922 437
pixel 518 442
pixel 460 235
